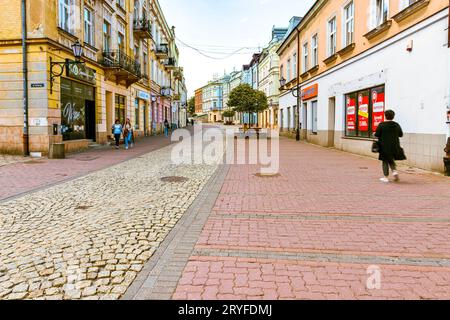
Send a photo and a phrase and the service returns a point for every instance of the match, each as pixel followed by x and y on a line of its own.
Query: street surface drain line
pixel 159 278
pixel 323 257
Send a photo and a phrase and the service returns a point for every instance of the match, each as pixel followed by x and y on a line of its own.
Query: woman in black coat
pixel 389 134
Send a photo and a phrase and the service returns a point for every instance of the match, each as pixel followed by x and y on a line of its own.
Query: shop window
pixel 120 108
pixel 136 114
pixel 364 112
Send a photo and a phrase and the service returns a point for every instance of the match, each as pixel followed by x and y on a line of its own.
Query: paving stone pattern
pixel 89 238
pixel 322 230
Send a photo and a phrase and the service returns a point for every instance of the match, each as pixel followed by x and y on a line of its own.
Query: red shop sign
pixel 351 114
pixel 378 106
pixel 310 92
pixel 363 112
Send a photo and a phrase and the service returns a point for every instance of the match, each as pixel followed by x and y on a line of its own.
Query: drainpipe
pixel 447 148
pixel 297 134
pixel 25 138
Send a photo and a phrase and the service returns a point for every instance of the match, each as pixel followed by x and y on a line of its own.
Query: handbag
pixel 401 156
pixel 376 147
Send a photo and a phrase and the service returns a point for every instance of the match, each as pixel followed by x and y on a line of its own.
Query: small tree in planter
pixel 245 99
pixel 228 115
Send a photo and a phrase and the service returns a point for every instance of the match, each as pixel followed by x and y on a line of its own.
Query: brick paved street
pixel 23 175
pixel 313 232
pixel 88 238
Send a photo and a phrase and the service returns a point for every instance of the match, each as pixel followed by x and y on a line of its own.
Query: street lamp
pixel 77 50
pixel 296 93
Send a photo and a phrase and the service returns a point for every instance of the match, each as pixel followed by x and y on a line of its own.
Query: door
pixel 146 118
pixel 331 121
pixel 314 117
pixel 90 120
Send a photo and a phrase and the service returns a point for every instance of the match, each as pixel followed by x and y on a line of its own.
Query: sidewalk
pixel 326 228
pixel 28 175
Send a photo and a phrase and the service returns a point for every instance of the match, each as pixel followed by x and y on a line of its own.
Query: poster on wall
pixel 351 113
pixel 378 107
pixel 363 112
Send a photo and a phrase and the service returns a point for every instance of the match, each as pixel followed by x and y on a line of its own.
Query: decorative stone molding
pixel 313 69
pixel 411 9
pixel 347 49
pixel 331 58
pixel 378 30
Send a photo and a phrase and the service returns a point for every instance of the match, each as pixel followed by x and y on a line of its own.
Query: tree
pixel 245 99
pixel 229 113
pixel 191 106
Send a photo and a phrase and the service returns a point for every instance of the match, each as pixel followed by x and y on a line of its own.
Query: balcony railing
pixel 162 51
pixel 166 92
pixel 143 28
pixel 170 63
pixel 122 66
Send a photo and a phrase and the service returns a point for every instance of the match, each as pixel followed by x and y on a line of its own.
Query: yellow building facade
pixel 129 70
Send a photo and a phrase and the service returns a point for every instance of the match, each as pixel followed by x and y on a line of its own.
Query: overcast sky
pixel 218 27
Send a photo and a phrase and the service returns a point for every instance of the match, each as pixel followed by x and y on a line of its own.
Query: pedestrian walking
pixel 117 131
pixel 166 128
pixel 127 133
pixel 389 134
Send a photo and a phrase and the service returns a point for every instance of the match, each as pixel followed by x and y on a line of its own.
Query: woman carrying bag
pixel 389 134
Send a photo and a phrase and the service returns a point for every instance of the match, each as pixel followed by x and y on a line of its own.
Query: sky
pixel 221 27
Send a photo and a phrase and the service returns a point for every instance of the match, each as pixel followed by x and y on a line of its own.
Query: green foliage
pixel 247 100
pixel 229 113
pixel 191 105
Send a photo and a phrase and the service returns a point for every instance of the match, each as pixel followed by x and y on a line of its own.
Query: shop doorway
pixel 314 117
pixel 331 121
pixel 90 120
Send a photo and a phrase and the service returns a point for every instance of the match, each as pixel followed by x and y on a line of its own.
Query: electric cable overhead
pixel 206 53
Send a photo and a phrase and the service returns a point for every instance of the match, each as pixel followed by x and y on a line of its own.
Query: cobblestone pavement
pixel 326 228
pixel 88 238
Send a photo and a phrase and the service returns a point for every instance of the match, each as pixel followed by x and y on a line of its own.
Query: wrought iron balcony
pixel 170 64
pixel 143 28
pixel 166 92
pixel 162 51
pixel 122 67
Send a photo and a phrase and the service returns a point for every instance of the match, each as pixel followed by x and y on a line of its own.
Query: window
pixel 136 114
pixel 315 50
pixel 121 3
pixel 332 37
pixel 282 71
pixel 349 20
pixel 314 117
pixel 106 36
pixel 120 108
pixel 121 42
pixel 88 27
pixel 294 68
pixel 288 71
pixel 289 118
pixel 66 21
pixel 145 63
pixel 382 8
pixel 305 57
pixel 364 112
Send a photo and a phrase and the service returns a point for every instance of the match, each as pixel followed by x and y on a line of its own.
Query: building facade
pixel 360 58
pixel 199 101
pixel 129 57
pixel 269 78
pixel 213 101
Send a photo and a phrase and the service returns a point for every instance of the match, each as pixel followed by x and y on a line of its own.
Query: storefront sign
pixel 351 114
pixel 363 112
pixel 37 85
pixel 310 92
pixel 143 95
pixel 377 107
pixel 81 72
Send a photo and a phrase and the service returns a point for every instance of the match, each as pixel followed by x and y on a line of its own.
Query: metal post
pixel 25 137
